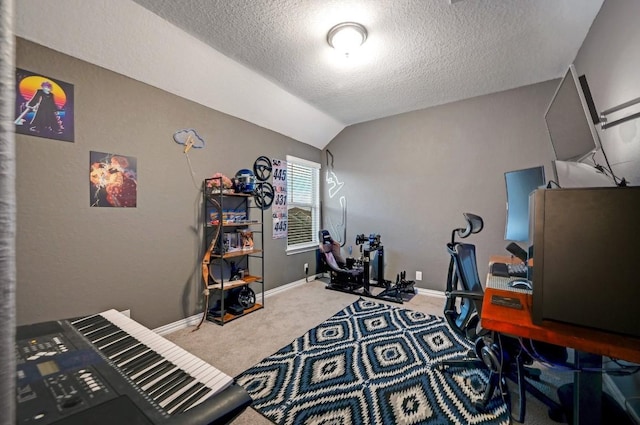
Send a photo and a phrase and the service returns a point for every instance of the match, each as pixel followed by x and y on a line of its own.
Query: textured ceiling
pixel 419 53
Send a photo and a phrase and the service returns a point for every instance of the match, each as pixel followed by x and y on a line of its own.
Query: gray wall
pixel 610 59
pixel 73 259
pixel 410 177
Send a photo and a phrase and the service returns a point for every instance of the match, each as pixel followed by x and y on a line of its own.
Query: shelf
pixel 229 317
pixel 230 284
pixel 234 220
pixel 233 223
pixel 238 253
pixel 239 195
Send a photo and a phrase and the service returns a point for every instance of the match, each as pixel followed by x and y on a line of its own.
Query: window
pixel 303 204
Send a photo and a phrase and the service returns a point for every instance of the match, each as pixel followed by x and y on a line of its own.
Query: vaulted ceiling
pixel 419 53
pixel 268 61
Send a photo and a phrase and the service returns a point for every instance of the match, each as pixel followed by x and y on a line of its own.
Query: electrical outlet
pixel 418 275
pixel 306 268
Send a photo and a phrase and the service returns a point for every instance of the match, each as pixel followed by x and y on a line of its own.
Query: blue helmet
pixel 246 180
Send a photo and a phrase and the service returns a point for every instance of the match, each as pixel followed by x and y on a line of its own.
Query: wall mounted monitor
pixel 519 184
pixel 570 119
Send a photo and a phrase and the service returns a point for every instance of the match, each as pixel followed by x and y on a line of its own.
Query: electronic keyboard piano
pixel 109 369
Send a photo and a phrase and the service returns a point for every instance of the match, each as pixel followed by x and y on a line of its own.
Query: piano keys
pixel 109 363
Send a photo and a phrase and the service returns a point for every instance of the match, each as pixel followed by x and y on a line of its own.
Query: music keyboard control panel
pixel 108 369
pixel 57 377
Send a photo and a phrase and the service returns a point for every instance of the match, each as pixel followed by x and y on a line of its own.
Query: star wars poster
pixel 44 106
pixel 113 180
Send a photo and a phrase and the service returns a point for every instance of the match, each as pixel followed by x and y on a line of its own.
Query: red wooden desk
pixel 587 343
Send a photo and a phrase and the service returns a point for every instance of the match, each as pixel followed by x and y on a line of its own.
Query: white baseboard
pixel 431 293
pixel 193 320
pixel 180 324
pixel 286 287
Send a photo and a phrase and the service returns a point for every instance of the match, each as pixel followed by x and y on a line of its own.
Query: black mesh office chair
pixel 462 308
pixel 504 357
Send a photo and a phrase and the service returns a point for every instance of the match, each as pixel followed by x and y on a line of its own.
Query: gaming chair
pixel 503 356
pixel 335 264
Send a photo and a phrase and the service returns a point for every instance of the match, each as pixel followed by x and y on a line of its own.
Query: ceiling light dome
pixel 346 37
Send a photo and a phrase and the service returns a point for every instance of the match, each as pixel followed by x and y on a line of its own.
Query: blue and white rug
pixel 371 363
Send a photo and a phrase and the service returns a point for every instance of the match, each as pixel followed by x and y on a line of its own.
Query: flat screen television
pixel 585 260
pixel 570 119
pixel 519 184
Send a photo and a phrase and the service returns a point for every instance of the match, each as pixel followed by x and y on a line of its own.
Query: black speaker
pixel 516 250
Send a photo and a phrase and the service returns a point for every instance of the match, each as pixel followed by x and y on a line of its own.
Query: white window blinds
pixel 303 203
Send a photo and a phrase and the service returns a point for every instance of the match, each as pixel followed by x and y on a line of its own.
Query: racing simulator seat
pixel 340 275
pixel 504 357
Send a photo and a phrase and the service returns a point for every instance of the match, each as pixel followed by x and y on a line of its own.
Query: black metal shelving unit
pixel 225 216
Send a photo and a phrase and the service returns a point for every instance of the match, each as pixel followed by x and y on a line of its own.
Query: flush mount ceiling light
pixel 346 37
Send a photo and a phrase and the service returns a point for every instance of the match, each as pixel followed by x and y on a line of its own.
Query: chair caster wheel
pixel 556 414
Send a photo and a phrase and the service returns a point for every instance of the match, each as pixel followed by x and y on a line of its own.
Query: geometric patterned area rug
pixel 371 363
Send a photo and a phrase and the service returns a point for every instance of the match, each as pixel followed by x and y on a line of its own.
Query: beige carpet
pixel 240 344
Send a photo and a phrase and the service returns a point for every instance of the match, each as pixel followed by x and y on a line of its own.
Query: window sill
pixel 301 249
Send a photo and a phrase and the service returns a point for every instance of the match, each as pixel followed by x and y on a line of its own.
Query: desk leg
pixel 587 390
